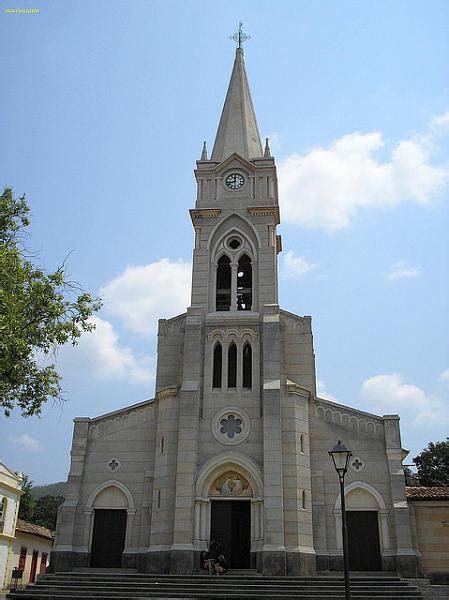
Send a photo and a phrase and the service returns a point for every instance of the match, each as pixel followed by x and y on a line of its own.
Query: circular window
pixel 230 426
pixel 234 243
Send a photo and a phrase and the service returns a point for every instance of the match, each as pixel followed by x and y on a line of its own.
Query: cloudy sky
pixel 104 109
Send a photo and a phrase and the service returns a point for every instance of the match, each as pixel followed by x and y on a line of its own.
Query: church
pixel 234 446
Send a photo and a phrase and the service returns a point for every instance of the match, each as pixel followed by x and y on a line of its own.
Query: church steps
pixel 60 586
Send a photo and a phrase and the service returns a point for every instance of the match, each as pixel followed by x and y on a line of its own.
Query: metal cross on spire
pixel 239 37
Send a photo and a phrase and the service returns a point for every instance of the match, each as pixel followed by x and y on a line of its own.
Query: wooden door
pixel 33 566
pixel 231 527
pixel 108 539
pixel 363 540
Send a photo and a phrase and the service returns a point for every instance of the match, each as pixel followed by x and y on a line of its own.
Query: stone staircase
pixel 128 585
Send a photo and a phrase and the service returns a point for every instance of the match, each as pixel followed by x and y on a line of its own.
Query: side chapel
pixel 235 443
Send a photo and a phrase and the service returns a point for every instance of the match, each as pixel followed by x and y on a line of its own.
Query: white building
pixel 235 443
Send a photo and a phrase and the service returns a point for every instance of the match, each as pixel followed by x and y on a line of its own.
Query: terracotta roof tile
pixel 25 527
pixel 427 493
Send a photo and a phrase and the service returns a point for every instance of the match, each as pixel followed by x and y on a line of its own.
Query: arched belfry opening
pixel 247 364
pixel 223 295
pixel 244 283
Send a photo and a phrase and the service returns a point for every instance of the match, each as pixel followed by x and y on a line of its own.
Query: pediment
pixel 235 161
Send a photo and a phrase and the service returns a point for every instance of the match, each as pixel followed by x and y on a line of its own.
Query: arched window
pixel 223 295
pixel 244 283
pixel 247 366
pixel 216 371
pixel 232 366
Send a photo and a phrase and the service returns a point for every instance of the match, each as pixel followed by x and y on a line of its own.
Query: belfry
pixel 234 446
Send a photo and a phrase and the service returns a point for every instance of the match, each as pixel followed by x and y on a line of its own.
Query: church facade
pixel 234 446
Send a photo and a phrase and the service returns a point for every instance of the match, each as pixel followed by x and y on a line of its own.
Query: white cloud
pixel 294 266
pixel 326 187
pixel 143 294
pixel 440 123
pixel 322 392
pixel 445 375
pixel 100 354
pixel 402 270
pixel 388 394
pixel 26 442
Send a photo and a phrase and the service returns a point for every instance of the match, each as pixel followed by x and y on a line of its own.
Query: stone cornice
pixel 167 392
pixel 204 213
pixel 265 211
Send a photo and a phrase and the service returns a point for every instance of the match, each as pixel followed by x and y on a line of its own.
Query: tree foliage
pixel 39 312
pixel 433 464
pixel 46 511
pixel 27 501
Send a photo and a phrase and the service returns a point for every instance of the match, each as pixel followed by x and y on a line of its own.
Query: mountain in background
pixel 52 489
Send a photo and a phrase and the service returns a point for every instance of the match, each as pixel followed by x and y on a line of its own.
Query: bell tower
pixel 227 373
pixel 236 211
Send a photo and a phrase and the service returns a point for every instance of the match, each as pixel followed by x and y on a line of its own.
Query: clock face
pixel 234 181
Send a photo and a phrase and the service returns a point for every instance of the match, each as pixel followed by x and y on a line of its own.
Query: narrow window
pixel 301 444
pixel 247 366
pixel 2 514
pixel 232 366
pixel 158 499
pixel 162 444
pixel 216 376
pixel 244 283
pixel 23 557
pixel 223 295
pixel 303 499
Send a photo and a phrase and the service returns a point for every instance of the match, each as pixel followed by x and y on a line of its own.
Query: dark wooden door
pixel 33 566
pixel 363 540
pixel 231 527
pixel 108 540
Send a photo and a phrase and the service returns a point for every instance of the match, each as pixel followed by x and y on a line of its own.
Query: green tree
pixel 410 477
pixel 39 312
pixel 27 502
pixel 46 511
pixel 433 464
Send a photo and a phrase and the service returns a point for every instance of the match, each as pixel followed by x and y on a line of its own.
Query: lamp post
pixel 340 457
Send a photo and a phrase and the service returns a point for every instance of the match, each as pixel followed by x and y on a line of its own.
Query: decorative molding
pixel 224 335
pixel 115 424
pixel 357 464
pixel 265 211
pixel 166 392
pixel 278 244
pixel 295 323
pixel 350 420
pixel 204 213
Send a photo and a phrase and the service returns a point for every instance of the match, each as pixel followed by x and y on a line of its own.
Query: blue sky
pixel 104 109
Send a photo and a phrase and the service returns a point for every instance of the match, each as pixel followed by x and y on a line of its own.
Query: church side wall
pixel 114 451
pixel 369 469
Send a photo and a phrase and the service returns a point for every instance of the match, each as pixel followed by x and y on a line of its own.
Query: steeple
pixel 237 130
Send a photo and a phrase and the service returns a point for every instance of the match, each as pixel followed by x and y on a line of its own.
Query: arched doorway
pixel 230 519
pixel 109 507
pixel 229 508
pixel 366 517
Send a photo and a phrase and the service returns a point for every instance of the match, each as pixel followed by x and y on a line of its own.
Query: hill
pixel 52 489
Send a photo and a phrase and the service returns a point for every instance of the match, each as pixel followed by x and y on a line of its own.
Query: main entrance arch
pixel 229 507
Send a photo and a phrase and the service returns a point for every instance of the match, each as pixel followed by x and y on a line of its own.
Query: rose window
pixel 231 426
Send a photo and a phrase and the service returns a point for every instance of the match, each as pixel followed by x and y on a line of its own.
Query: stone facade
pixel 236 417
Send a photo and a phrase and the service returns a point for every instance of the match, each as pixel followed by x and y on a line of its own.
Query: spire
pixel 267 152
pixel 204 152
pixel 237 130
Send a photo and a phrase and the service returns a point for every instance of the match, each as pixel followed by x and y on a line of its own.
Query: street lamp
pixel 340 457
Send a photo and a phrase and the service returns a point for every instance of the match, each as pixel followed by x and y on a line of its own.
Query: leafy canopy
pixel 39 312
pixel 432 464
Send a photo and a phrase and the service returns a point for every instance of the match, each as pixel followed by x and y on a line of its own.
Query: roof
pixel 237 130
pixel 32 529
pixel 427 493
